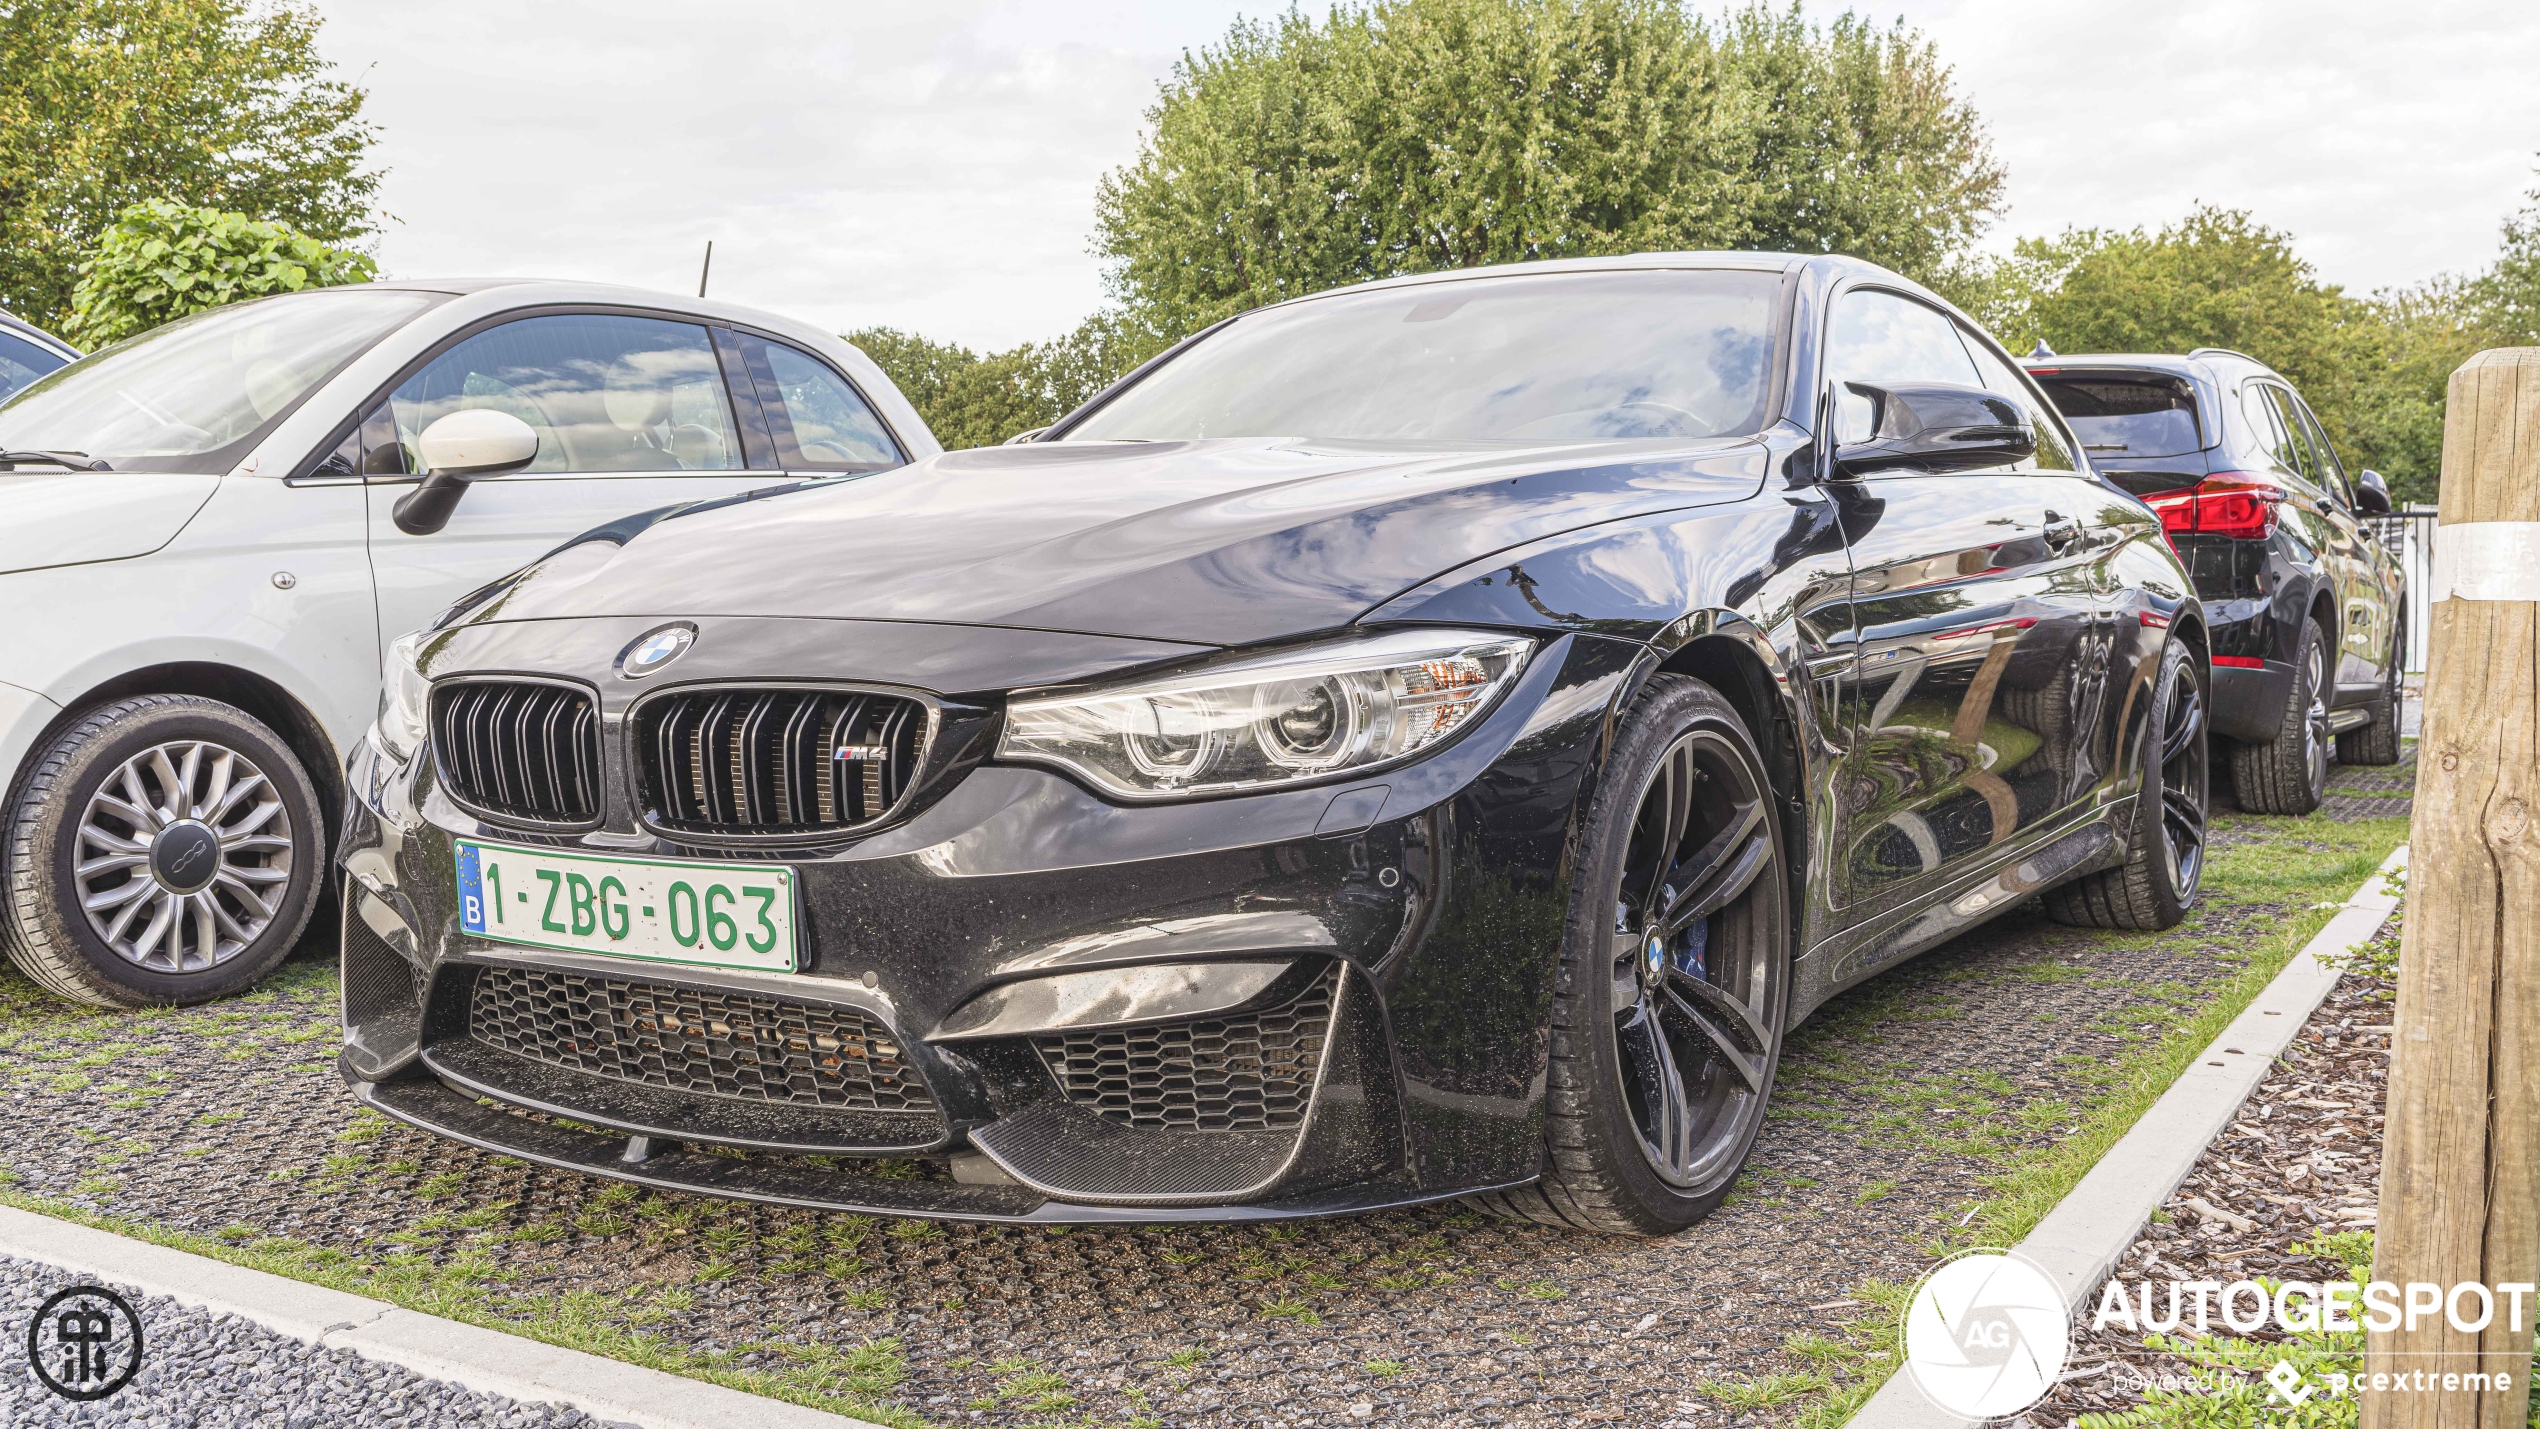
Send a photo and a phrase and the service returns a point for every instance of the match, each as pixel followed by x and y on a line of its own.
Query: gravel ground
pixel 2301 1162
pixel 205 1371
pixel 1897 1103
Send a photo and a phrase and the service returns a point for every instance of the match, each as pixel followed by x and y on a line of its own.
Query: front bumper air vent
pixel 724 1044
pixel 1250 1071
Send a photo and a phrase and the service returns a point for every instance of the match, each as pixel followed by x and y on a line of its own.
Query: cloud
pixel 932 165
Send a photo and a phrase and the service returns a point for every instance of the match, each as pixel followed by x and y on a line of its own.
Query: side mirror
pixel 456 450
pixel 2372 494
pixel 1930 426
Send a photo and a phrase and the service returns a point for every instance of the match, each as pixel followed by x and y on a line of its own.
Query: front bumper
pixel 1399 934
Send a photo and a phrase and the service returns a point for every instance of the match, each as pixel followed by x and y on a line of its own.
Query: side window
pixel 2332 471
pixel 21 362
pixel 603 392
pixel 371 449
pixel 2054 450
pixel 2296 447
pixel 1885 338
pixel 819 422
pixel 2266 425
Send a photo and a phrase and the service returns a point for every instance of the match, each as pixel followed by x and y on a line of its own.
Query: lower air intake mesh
pixel 1250 1072
pixel 715 1043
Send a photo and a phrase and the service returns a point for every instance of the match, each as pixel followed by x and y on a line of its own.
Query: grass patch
pixel 853 1382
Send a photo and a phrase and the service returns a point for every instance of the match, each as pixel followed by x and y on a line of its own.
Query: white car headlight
pixel 402 693
pixel 1270 720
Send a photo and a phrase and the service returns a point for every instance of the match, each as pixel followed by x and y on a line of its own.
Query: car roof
pixel 39 336
pixel 2207 362
pixel 1619 263
pixel 568 290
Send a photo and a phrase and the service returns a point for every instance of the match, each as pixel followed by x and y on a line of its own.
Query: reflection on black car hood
pixel 1216 542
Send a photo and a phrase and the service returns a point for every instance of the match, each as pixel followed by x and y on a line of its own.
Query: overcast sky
pixel 931 165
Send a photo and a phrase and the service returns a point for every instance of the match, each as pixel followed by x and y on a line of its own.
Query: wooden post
pixel 2460 1170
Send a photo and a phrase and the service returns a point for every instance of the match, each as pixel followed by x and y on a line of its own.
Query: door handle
pixel 2061 532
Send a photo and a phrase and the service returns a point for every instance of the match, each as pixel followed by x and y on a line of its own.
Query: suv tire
pixel 2378 742
pixel 2165 854
pixel 2289 774
pixel 194 824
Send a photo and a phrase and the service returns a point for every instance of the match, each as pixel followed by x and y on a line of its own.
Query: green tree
pixel 1416 135
pixel 2373 368
pixel 974 401
pixel 162 261
pixel 221 103
pixel 2505 299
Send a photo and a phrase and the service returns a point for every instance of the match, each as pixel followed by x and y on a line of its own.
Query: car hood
pixel 70 518
pixel 1215 542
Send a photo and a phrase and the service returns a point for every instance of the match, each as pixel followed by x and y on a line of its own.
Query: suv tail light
pixel 2237 504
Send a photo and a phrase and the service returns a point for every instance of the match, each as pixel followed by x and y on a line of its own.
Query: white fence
pixel 2409 535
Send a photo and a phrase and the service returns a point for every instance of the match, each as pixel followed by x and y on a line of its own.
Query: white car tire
pixel 164 849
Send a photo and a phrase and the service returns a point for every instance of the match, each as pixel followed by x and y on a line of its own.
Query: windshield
pixel 194 394
pixel 1547 357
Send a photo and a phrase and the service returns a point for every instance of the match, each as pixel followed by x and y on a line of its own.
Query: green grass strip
pixel 2296 863
pixel 846 1381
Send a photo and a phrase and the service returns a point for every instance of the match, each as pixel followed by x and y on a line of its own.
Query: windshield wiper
pixel 75 461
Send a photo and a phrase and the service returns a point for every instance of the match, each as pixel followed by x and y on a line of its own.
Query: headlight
pixel 402 693
pixel 1270 720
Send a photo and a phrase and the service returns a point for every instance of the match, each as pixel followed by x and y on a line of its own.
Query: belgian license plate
pixel 716 915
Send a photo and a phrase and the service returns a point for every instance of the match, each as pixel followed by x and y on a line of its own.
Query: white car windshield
pixel 1552 357
pixel 193 393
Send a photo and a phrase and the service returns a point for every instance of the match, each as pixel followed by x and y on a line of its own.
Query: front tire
pixel 1674 977
pixel 2165 854
pixel 166 849
pixel 2289 774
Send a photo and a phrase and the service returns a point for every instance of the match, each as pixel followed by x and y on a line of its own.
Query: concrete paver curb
pixel 2082 1237
pixel 485 1360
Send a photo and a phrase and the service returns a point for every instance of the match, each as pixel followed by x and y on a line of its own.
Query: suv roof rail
pixel 2225 352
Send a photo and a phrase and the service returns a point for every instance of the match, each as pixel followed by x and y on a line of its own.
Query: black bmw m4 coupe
pixel 1428 739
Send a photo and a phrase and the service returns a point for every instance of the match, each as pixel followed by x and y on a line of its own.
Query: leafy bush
pixel 162 260
pixel 223 103
pixel 974 401
pixel 1411 136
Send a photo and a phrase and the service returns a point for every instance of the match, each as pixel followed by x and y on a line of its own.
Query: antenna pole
pixel 707 271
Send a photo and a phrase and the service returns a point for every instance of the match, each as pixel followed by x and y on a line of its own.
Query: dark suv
pixel 2305 605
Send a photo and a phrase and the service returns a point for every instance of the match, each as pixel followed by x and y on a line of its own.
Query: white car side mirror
pixel 455 451
pixel 477 442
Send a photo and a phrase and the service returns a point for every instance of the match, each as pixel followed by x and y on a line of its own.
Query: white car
pixel 209 535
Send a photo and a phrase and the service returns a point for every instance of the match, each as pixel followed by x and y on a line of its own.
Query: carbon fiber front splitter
pixel 803 1183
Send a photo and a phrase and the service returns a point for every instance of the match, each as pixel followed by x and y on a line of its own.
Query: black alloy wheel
pixel 2167 841
pixel 2377 742
pixel 1674 979
pixel 166 849
pixel 2289 774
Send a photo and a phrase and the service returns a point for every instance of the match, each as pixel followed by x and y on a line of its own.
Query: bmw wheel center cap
pixel 654 649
